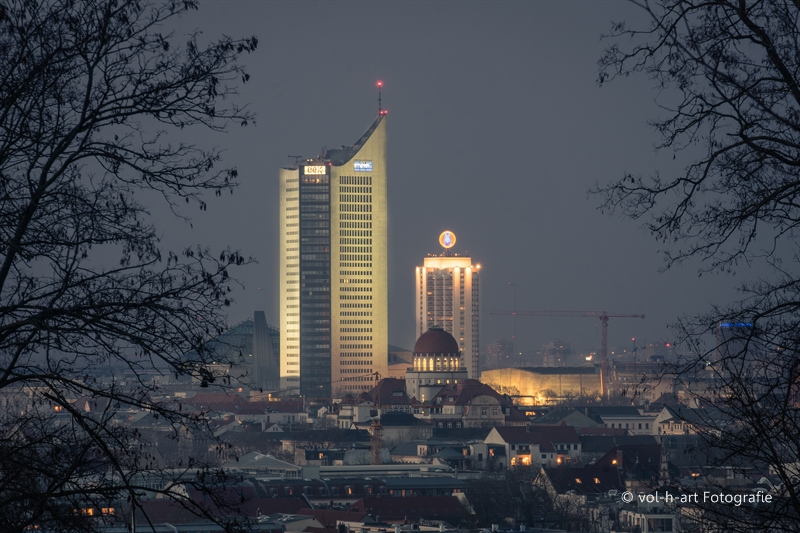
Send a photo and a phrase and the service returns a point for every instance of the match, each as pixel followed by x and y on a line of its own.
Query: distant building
pixel 448 296
pixel 436 363
pixel 248 353
pixel 736 341
pixel 499 354
pixel 557 353
pixel 436 389
pixel 266 354
pixel 333 268
pixel 399 361
pixel 545 383
pixel 532 446
pixel 638 380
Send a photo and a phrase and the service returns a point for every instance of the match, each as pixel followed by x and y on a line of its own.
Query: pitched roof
pixel 538 434
pixel 648 455
pixel 703 416
pixel 329 517
pixel 585 480
pixel 162 511
pixel 448 453
pixel 463 392
pixel 612 410
pixel 516 416
pixel 412 507
pixel 604 443
pixel 602 431
pixel 556 416
pixel 389 391
pixel 407 448
pixel 395 419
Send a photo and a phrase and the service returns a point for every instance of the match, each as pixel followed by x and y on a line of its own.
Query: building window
pixel 544 456
pixel 640 426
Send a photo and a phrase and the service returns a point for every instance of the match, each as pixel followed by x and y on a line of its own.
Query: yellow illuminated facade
pixel 448 296
pixel 333 275
pixel 545 383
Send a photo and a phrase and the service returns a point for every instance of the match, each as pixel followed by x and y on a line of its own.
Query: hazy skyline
pixel 497 130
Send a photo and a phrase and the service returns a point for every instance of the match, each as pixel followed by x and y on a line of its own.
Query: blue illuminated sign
pixel 362 166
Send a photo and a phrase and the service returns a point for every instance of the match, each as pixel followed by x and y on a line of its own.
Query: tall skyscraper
pixel 448 296
pixel 333 274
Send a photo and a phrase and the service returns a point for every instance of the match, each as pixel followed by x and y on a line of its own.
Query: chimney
pixel 619 459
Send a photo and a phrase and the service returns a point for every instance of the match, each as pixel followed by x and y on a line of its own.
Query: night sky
pixel 497 131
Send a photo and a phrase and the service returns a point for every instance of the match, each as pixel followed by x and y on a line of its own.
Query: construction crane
pixel 602 315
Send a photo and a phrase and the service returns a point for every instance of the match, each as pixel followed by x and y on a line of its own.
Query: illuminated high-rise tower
pixel 448 296
pixel 333 273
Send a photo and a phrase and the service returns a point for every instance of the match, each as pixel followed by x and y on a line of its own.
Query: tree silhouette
pixel 727 72
pixel 93 101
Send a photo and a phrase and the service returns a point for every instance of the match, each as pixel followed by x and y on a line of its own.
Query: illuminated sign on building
pixel 447 239
pixel 314 170
pixel 362 166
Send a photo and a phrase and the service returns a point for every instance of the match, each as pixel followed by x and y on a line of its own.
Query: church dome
pixel 436 341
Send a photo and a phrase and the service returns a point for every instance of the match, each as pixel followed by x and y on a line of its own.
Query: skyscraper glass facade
pixel 315 281
pixel 333 276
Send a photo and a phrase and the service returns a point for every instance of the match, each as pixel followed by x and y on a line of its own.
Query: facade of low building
pixel 546 383
pixel 533 445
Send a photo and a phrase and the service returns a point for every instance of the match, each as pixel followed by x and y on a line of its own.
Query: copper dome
pixel 438 341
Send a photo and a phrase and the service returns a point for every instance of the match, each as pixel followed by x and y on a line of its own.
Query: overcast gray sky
pixel 497 130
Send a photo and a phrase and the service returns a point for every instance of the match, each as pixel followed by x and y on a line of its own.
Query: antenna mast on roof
pixel 297 159
pixel 380 86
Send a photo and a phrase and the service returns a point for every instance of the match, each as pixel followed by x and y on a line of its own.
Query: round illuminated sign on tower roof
pixel 447 239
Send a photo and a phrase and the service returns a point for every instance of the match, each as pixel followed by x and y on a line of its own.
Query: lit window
pixel 578 481
pixel 597 481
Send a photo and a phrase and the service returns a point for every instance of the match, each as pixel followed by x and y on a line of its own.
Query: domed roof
pixel 436 340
